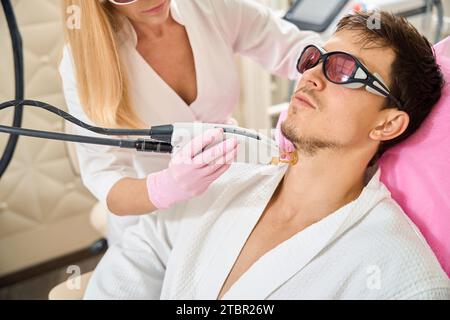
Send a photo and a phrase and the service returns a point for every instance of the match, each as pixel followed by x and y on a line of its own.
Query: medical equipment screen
pixel 315 15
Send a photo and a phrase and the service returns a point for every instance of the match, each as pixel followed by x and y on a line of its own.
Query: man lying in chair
pixel 325 228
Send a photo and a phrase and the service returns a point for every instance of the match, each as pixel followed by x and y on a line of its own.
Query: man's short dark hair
pixel 416 78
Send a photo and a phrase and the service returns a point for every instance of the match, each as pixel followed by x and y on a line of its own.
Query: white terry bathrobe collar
pixel 222 234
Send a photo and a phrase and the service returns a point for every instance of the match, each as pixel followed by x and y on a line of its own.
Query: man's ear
pixel 391 124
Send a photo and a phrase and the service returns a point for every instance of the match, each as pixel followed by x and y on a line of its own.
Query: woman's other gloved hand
pixel 192 170
pixel 286 147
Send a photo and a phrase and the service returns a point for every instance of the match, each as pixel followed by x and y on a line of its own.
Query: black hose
pixel 137 144
pixel 16 42
pixel 72 119
pixel 67 137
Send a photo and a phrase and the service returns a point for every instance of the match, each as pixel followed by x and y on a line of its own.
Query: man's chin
pixel 307 146
pixel 289 133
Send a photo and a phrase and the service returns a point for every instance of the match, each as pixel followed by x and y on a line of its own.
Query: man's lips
pixel 305 101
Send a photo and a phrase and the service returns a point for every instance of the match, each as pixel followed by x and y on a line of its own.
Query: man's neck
pixel 316 187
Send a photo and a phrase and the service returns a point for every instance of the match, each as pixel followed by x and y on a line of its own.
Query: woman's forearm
pixel 130 197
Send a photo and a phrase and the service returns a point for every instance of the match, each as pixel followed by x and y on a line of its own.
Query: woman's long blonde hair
pixel 101 81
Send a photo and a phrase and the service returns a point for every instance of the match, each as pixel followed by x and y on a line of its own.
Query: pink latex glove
pixel 191 171
pixel 284 144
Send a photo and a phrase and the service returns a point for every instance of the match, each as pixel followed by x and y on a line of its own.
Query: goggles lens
pixel 339 67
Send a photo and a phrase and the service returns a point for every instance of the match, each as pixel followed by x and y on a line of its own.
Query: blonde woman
pixel 140 63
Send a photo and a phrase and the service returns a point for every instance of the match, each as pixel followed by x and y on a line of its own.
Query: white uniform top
pixel 367 249
pixel 217 29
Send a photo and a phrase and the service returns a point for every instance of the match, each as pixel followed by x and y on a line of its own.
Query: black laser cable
pixel 72 119
pixel 16 42
pixel 144 145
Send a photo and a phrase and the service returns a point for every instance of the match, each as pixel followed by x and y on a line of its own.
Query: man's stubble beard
pixel 308 146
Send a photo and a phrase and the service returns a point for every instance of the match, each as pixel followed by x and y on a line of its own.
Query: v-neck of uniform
pixel 175 12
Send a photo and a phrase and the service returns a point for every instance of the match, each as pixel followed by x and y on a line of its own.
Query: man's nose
pixel 314 79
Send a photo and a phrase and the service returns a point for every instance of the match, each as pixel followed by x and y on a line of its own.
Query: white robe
pixel 368 249
pixel 217 30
